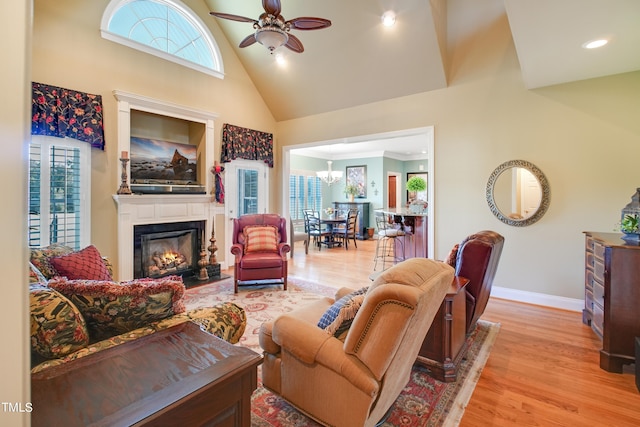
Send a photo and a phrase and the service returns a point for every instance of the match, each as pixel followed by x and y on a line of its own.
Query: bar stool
pixel 389 237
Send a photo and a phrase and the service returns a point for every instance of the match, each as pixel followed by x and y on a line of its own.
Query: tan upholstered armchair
pixel 260 248
pixel 354 379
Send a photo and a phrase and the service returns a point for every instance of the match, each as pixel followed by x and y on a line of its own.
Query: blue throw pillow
pixel 338 318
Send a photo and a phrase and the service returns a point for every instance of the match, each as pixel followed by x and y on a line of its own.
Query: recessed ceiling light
pixel 388 19
pixel 593 44
pixel 280 58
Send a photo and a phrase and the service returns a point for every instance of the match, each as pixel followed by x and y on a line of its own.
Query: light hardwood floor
pixel 543 369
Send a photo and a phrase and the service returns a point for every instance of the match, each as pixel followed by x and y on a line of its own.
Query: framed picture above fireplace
pixel 155 161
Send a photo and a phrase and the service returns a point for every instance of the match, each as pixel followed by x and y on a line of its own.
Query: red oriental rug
pixel 424 402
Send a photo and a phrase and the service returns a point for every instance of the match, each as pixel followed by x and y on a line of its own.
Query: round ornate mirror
pixel 518 193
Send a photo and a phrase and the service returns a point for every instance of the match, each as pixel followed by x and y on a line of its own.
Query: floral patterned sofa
pixel 77 309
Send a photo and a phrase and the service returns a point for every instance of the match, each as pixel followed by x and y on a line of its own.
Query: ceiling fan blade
pixel 248 41
pixel 309 23
pixel 294 44
pixel 233 17
pixel 272 7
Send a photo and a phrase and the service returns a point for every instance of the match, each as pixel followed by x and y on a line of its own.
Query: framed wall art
pixel 357 175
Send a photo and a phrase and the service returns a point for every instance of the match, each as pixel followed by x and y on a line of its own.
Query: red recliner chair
pixel 260 248
pixel 477 260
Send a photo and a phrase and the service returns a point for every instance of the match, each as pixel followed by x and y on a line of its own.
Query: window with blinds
pixel 59 184
pixel 305 192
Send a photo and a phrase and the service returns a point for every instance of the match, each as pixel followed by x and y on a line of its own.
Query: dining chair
pixel 348 230
pixel 314 228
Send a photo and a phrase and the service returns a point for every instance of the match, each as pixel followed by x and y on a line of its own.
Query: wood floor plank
pixel 543 369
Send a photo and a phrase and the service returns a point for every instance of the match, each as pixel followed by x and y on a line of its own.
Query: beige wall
pixel 68 51
pixel 584 136
pixel 14 131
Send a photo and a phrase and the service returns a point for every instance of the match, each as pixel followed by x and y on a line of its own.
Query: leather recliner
pixel 477 260
pixel 262 264
pixel 353 380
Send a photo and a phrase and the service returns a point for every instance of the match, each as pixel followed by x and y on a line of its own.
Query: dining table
pixel 329 223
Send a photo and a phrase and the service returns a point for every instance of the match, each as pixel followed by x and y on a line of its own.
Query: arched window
pixel 164 28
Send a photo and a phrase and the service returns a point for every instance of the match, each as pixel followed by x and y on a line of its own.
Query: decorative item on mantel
pixel 629 219
pixel 213 268
pixel 124 185
pixel 416 184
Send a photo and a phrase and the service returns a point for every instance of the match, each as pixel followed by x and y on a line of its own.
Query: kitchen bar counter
pixel 415 224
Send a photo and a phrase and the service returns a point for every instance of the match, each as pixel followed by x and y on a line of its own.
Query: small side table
pixel 446 342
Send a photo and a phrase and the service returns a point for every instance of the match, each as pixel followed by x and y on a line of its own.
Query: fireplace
pixel 167 249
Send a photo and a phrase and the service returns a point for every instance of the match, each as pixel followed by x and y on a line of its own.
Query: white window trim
pixel 194 19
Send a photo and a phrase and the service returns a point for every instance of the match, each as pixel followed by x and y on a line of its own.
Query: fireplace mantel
pixel 136 209
pixel 141 209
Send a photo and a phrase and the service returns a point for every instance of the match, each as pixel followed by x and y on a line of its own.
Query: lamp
pixel 271 37
pixel 329 176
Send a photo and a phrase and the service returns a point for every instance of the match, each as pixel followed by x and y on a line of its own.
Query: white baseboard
pixel 564 303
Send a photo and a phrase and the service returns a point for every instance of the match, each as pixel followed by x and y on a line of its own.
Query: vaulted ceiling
pixel 358 61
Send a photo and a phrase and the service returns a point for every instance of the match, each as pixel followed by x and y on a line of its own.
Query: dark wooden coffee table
pixel 181 376
pixel 446 342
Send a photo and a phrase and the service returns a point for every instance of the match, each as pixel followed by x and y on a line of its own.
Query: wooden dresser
pixel 612 296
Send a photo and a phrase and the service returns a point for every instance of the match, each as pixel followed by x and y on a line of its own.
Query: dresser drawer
pixel 598 250
pixel 598 294
pixel 590 260
pixel 597 322
pixel 588 279
pixel 598 271
pixel 589 243
pixel 588 301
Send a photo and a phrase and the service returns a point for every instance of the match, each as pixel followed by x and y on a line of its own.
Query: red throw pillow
pixel 84 264
pixel 261 238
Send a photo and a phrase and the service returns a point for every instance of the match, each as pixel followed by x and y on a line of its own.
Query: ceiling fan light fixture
pixel 388 19
pixel 271 38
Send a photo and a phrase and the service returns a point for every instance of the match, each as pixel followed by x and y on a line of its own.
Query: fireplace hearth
pixel 167 249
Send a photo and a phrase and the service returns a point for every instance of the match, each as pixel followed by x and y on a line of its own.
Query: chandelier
pixel 329 176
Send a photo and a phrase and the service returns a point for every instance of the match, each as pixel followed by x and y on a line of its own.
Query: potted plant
pixel 416 184
pixel 351 190
pixel 630 226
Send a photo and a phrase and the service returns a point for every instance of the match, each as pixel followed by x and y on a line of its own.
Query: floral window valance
pixel 243 143
pixel 61 112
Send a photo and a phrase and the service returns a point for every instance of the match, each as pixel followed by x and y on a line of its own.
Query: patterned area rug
pixel 424 402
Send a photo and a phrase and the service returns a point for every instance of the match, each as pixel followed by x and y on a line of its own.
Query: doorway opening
pixel 382 146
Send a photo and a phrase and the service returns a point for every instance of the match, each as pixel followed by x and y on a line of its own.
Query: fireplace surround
pixel 167 249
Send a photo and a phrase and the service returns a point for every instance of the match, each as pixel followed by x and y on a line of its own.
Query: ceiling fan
pixel 272 31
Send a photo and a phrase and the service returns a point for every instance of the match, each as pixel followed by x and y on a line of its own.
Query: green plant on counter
pixel 416 183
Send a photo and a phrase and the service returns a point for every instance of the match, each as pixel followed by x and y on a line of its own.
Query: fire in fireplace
pixel 164 249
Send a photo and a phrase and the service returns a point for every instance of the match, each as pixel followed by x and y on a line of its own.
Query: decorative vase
pixel 351 198
pixel 417 207
pixel 631 238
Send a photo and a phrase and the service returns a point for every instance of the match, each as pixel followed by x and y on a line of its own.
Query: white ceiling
pixel 358 61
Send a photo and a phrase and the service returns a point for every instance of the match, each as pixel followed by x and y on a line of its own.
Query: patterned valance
pixel 61 112
pixel 242 143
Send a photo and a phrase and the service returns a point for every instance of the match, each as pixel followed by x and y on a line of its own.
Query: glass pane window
pixel 59 181
pixel 248 191
pixel 164 28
